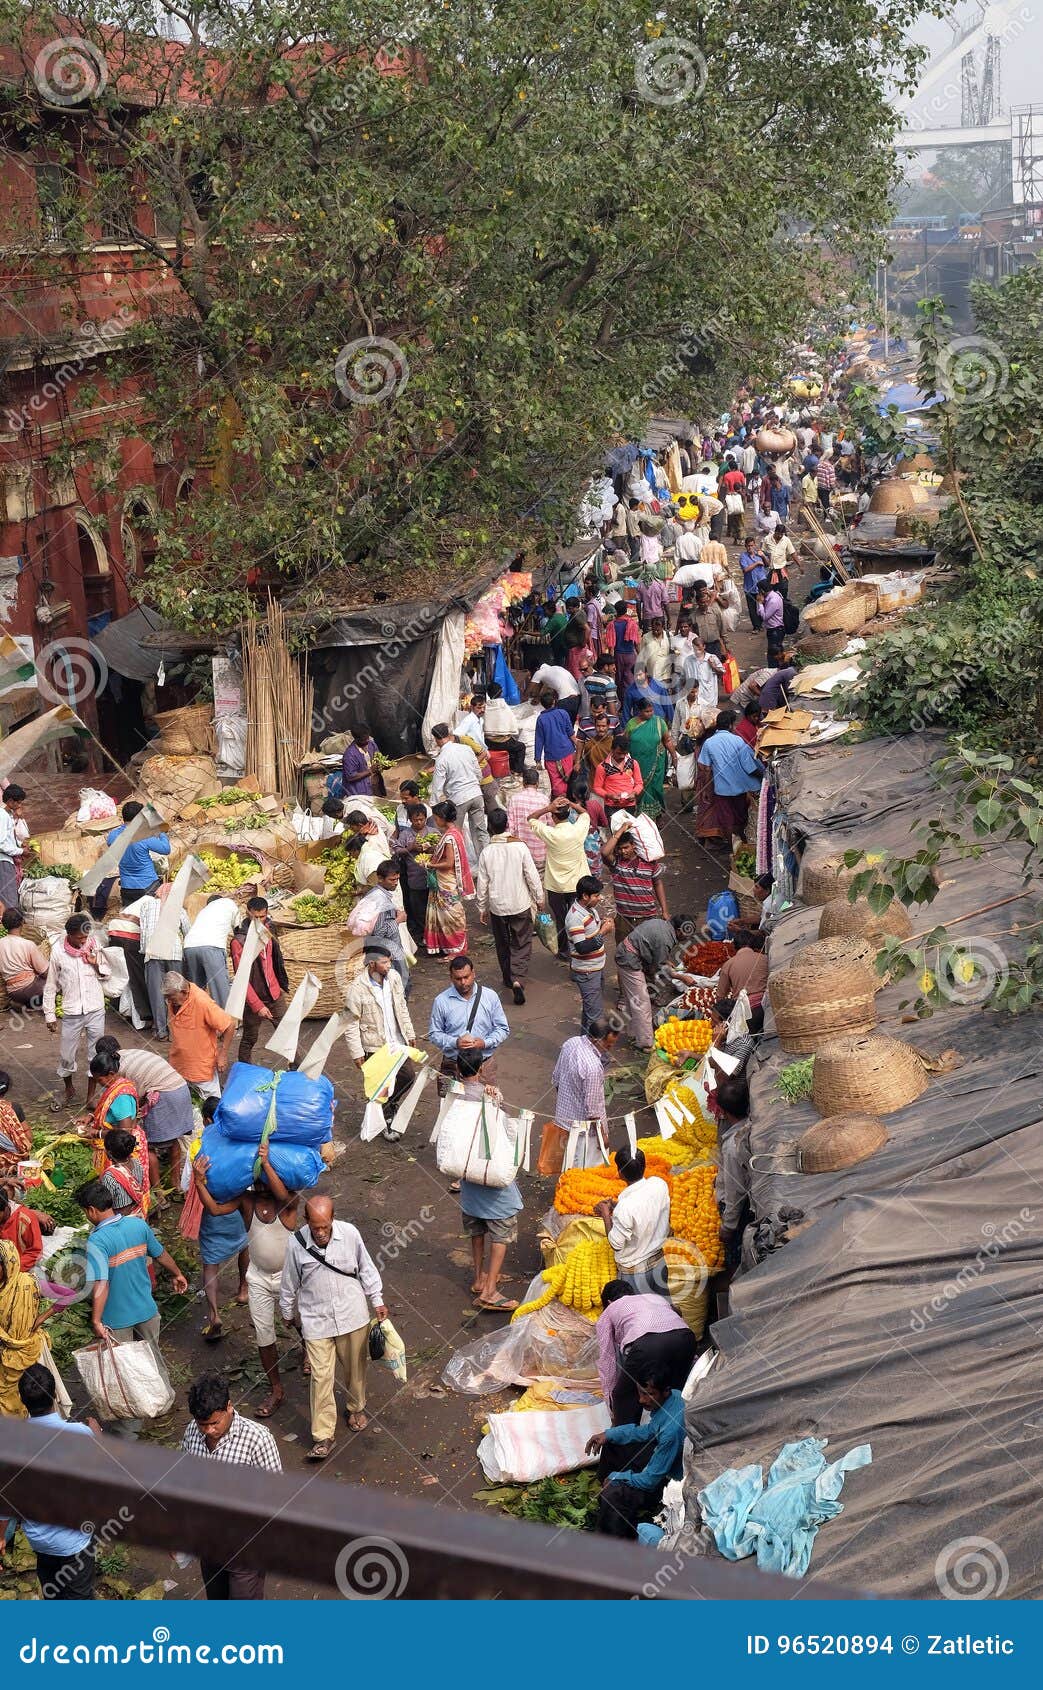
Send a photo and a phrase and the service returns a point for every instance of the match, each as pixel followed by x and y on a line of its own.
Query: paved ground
pixel 421 1440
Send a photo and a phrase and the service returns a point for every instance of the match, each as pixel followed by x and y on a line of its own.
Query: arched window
pixel 94 567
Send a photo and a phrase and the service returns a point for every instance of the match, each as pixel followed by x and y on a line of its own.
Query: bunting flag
pixel 17 668
pixel 313 1063
pixel 286 1036
pixel 166 935
pixel 107 866
pixel 256 936
pixel 53 724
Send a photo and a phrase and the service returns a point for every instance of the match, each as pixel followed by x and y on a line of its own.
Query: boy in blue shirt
pixel 137 871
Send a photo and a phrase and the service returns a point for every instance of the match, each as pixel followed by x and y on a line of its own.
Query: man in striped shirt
pixel 579 1075
pixel 586 933
pixel 520 807
pixel 825 480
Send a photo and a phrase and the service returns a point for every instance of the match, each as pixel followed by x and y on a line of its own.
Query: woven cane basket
pixel 820 997
pixel 841 612
pixel 840 1141
pixel 866 1075
pixel 842 918
pixel 331 997
pixel 871 595
pixel 310 945
pixel 821 647
pixel 825 876
pixel 186 732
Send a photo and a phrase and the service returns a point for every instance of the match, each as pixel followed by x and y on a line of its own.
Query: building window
pixel 56 199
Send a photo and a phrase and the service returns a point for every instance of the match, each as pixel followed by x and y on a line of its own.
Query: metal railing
pixel 313 1529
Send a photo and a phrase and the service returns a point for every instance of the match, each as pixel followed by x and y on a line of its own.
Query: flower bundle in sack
pixel 579 1190
pixel 577 1281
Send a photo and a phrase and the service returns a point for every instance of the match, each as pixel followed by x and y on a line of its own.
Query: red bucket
pixel 499 764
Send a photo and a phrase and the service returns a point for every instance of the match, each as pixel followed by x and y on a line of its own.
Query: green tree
pixel 961 180
pixel 971 659
pixel 427 260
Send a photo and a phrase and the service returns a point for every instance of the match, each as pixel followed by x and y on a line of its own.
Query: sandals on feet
pixel 321 1451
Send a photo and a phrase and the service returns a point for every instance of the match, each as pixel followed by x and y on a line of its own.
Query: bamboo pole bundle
pixel 279 697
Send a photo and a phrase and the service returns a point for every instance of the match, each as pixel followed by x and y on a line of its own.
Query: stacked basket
pixel 840 1141
pixel 828 990
pixel 824 876
pixel 187 732
pixel 840 612
pixel 866 1075
pixel 841 918
pixel 327 952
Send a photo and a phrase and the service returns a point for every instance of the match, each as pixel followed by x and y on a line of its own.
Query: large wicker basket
pixel 866 1075
pixel 331 997
pixel 186 732
pixel 840 1141
pixel 824 875
pixel 821 647
pixel 841 918
pixel 310 945
pixel 820 996
pixel 870 593
pixel 843 612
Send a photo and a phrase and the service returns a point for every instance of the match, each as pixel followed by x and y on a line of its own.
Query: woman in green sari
pixel 651 747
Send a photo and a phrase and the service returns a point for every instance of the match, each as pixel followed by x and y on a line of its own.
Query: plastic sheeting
pixel 554 1342
pixel 905 1309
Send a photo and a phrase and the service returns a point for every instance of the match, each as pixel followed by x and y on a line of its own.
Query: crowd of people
pixel 548 820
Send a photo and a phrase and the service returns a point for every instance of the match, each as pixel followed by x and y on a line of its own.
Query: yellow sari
pixel 21 1338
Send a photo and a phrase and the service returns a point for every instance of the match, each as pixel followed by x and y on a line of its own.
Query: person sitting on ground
pixel 747 970
pixel 489 1213
pixel 637 1460
pixel 20 1227
pixel 23 965
pixel 743 1046
pixel 638 1331
pixel 748 725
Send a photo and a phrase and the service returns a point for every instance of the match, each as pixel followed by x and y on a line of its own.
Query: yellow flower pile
pixel 694 1214
pixel 678 1039
pixel 670 1150
pixel 227 874
pixel 577 1281
pixel 699 1134
pixel 579 1190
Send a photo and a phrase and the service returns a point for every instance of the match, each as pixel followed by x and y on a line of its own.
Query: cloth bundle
pixel 778 1520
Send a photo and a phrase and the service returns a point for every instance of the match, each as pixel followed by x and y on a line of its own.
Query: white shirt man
pixel 456 774
pixel 213 925
pixel 559 680
pixel 640 1223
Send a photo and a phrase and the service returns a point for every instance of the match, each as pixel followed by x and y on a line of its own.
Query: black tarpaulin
pixel 382 685
pixel 907 1307
pixel 120 644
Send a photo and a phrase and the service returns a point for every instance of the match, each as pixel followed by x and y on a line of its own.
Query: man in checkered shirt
pixel 217 1433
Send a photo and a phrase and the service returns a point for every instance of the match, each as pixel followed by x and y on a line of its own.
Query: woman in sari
pixel 21 1329
pixel 652 748
pixel 16 1139
pixel 449 882
pixel 117 1108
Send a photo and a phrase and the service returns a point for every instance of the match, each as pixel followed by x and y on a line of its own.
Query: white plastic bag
pixel 119 979
pixel 125 1381
pixel 47 902
pixel 475 1143
pixel 94 806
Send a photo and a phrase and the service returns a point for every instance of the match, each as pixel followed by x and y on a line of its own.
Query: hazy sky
pixel 1019 26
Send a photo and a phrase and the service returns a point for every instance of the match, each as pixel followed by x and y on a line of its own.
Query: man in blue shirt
pixel 118 1252
pixel 555 746
pixel 751 563
pixel 64 1554
pixel 466 1017
pixel 137 871
pixel 780 496
pixel 736 773
pixel 637 1461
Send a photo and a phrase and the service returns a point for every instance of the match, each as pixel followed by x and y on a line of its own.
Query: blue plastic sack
pixel 722 908
pixel 303 1107
pixel 232 1164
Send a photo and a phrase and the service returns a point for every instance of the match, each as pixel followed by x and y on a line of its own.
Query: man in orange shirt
pixel 200 1034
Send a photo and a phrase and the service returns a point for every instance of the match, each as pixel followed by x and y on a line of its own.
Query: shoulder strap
pixel 345 1273
pixel 474 1009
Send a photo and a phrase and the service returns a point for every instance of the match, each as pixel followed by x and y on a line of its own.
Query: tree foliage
pixel 971 659
pixel 561 217
pixel 961 180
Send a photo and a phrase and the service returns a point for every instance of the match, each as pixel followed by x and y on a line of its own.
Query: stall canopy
pixel 905 1308
pixel 121 644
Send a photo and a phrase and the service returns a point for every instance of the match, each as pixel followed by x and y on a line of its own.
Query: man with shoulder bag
pixel 330 1279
